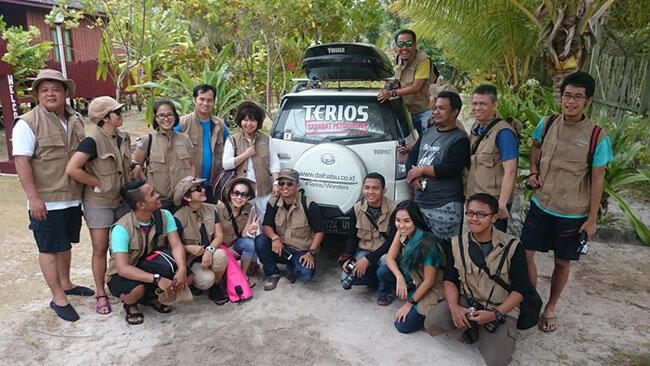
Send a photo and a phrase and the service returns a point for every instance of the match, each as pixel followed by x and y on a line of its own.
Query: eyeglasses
pixel 165 116
pixel 402 44
pixel 480 215
pixel 236 193
pixel 577 97
pixel 288 183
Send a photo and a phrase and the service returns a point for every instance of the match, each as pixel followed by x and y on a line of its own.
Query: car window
pixel 338 119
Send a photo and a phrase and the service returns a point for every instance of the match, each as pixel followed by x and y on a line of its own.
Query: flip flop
pixel 133 318
pixel 65 312
pixel 106 305
pixel 161 308
pixel 80 291
pixel 544 324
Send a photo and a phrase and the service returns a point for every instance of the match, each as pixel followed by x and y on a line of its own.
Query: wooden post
pixel 644 108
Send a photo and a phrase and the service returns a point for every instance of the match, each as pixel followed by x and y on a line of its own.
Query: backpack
pixel 593 141
pixel 303 200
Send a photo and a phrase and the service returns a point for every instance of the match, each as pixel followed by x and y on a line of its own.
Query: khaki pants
pixel 204 277
pixel 497 348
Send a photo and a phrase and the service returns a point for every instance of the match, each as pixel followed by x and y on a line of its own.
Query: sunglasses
pixel 288 183
pixel 480 215
pixel 198 188
pixel 118 112
pixel 236 193
pixel 402 44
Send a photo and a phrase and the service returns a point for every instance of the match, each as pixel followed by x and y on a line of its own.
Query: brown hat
pixel 54 75
pixel 183 186
pixel 101 106
pixel 249 104
pixel 291 174
pixel 232 183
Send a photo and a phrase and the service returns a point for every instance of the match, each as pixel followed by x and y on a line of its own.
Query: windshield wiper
pixel 349 137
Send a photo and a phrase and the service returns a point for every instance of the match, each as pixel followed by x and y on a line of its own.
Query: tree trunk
pixel 558 77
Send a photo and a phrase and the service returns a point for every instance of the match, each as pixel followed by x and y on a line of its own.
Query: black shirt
pixel 89 146
pixel 313 216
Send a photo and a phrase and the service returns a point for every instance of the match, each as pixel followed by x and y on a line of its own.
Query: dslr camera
pixel 346 283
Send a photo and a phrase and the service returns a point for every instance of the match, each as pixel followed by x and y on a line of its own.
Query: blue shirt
pixel 206 163
pixel 602 155
pixel 506 144
pixel 120 238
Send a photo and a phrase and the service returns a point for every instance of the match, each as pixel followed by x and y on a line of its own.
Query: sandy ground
pixel 603 315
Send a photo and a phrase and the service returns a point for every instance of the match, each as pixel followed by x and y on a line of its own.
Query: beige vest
pixel 111 167
pixel 169 162
pixel 140 243
pixel 478 283
pixel 191 221
pixel 564 169
pixel 53 149
pixel 191 126
pixel 229 234
pixel 486 171
pixel 405 73
pixel 261 161
pixel 435 294
pixel 369 238
pixel 291 224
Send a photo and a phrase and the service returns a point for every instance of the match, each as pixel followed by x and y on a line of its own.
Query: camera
pixel 492 326
pixel 346 283
pixel 583 248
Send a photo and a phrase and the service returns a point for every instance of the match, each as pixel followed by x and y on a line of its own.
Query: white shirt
pixel 24 144
pixel 228 160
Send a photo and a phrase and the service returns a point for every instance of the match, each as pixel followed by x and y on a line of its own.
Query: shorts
pixel 119 285
pixel 543 232
pixel 102 217
pixel 204 277
pixel 56 233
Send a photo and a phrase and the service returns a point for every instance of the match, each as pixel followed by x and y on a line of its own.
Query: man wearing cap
pixel 207 133
pixel 292 232
pixel 201 234
pixel 102 163
pixel 43 141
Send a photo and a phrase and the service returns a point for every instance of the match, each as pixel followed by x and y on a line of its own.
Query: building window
pixel 67 44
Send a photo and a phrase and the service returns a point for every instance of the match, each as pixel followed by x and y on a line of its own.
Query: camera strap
pixel 462 258
pixel 233 221
pixel 374 224
pixel 496 276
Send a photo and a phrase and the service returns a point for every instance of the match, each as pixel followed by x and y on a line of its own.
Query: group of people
pixel 159 202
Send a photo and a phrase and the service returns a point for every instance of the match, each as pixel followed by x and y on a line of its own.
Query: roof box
pixel 346 61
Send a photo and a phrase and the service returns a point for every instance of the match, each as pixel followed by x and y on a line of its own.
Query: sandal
pixel 161 308
pixel 250 284
pixel 104 308
pixel 547 325
pixel 132 317
pixel 470 336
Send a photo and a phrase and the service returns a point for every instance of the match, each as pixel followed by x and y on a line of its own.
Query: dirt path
pixel 603 317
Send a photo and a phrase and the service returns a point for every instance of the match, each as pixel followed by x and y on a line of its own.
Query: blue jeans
pixel 269 260
pixel 245 247
pixel 414 321
pixel 370 277
pixel 387 282
pixel 421 120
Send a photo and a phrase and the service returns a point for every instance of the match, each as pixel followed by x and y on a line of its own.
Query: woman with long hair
pixel 165 155
pixel 413 269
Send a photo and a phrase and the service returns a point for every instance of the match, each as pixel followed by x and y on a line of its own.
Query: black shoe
pixel 195 291
pixel 65 312
pixel 216 294
pixel 80 291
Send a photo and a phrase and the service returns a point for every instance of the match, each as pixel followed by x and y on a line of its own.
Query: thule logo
pixel 336 49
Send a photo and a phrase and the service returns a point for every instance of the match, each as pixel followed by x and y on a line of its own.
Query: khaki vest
pixel 435 294
pixel 477 282
pixel 191 126
pixel 229 234
pixel 139 244
pixel 292 225
pixel 261 161
pixel 53 149
pixel 169 162
pixel 191 221
pixel 564 169
pixel 111 167
pixel 486 171
pixel 369 238
pixel 405 73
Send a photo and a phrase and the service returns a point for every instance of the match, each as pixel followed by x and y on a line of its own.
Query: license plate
pixel 337 225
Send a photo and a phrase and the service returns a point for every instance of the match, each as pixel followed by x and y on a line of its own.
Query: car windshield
pixel 346 120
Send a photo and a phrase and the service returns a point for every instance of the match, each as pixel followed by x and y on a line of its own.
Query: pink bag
pixel 236 282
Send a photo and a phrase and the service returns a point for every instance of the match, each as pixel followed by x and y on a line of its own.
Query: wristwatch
pixel 411 301
pixel 312 252
pixel 156 278
pixel 498 316
pixel 210 249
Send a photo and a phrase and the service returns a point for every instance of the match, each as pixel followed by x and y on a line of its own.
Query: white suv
pixel 335 136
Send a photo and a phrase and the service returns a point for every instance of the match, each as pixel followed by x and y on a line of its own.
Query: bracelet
pixel 531 174
pixel 278 238
pixel 133 165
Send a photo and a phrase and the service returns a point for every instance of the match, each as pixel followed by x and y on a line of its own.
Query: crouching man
pixel 473 300
pixel 202 235
pixel 292 233
pixel 135 236
pixel 369 223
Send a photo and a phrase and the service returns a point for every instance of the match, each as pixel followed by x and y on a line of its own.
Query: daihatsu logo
pixel 327 159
